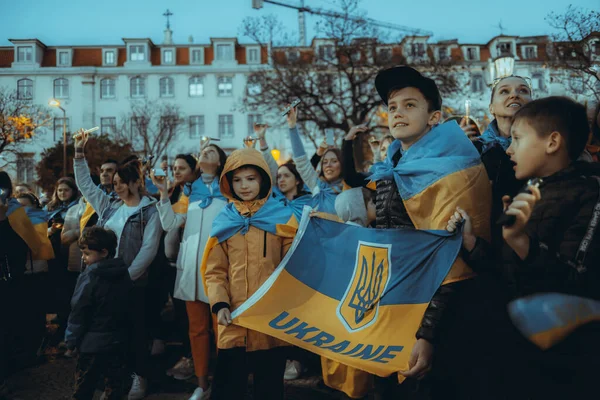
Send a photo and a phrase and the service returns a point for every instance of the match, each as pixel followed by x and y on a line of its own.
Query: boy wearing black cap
pixel 427 152
pixel 413 102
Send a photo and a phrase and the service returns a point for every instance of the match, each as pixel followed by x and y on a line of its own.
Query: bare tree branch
pixel 151 126
pixel 335 82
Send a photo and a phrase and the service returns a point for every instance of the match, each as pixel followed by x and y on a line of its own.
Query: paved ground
pixel 53 379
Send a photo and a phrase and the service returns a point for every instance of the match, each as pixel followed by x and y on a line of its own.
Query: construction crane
pixel 302 9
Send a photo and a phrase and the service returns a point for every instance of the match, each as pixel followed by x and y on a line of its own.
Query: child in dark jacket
pixel 98 323
pixel 552 247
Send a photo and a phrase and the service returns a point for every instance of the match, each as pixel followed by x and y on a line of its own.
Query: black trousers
pixel 160 288
pixel 91 367
pixel 139 352
pixel 234 365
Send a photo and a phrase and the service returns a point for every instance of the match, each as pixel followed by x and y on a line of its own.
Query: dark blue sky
pixel 86 22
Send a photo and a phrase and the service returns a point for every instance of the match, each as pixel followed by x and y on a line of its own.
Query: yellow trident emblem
pixel 360 305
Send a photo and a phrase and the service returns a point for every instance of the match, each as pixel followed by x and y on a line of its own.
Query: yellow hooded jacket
pixel 234 269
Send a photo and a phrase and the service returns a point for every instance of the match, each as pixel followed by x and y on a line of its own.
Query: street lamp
pixel 56 103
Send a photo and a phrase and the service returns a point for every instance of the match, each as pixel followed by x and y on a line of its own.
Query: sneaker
pixel 138 388
pixel 183 370
pixel 201 394
pixel 70 353
pixel 158 347
pixel 293 369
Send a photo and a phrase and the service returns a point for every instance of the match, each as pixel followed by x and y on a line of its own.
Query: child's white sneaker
pixel 139 386
pixel 201 394
pixel 293 369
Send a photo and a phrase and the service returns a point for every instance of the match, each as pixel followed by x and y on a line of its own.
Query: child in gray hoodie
pixel 356 206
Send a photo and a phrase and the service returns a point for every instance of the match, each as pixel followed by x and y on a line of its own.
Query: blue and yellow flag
pixel 440 172
pixel 548 318
pixel 359 294
pixel 32 226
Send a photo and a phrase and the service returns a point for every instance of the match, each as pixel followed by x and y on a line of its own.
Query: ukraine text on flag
pixel 352 294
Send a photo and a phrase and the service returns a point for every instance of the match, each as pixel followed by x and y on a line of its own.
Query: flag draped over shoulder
pixel 440 172
pixel 547 318
pixel 32 226
pixel 352 294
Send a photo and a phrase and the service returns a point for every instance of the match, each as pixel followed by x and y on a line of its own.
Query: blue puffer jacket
pixel 99 317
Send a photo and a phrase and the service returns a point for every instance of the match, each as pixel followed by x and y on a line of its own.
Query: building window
pixel 167 56
pixel 108 125
pixel 110 57
pixel 196 86
pixel 472 53
pixel 577 84
pixel 253 88
pixel 61 88
pixel 25 89
pixel 107 88
pixel 293 56
pixel 196 126
pixel 139 127
pixel 225 86
pixel 326 52
pixel 477 83
pixel 538 81
pixel 224 52
pixel 168 126
pixel 63 58
pixel 504 49
pixel 253 119
pixel 529 52
pixel 443 53
pixel 137 53
pixel 167 87
pixel 384 55
pixel 25 168
pixel 417 49
pixel 356 56
pixel 138 87
pixel 58 128
pixel 253 56
pixel 197 56
pixel 226 126
pixel 25 54
pixel 595 47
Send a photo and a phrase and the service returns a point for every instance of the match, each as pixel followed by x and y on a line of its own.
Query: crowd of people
pixel 207 239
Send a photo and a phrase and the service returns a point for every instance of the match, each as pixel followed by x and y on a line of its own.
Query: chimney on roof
pixel 168 32
pixel 190 39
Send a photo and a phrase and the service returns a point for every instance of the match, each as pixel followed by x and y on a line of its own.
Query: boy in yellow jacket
pixel 250 237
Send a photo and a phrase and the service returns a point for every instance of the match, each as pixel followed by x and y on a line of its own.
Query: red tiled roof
pixel 456 54
pixel 87 57
pixel 183 56
pixel 484 53
pixel 155 56
pixel 240 54
pixel 122 57
pixel 7 57
pixel 209 55
pixel 49 58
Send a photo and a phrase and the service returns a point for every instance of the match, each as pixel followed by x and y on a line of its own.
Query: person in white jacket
pixel 205 203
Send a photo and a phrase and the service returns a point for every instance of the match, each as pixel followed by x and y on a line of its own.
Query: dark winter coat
pixel 99 316
pixel 557 226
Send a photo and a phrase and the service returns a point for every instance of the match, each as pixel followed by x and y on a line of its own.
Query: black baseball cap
pixel 401 77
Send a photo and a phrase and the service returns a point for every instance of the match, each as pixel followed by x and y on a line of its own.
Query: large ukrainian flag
pixel 32 226
pixel 352 294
